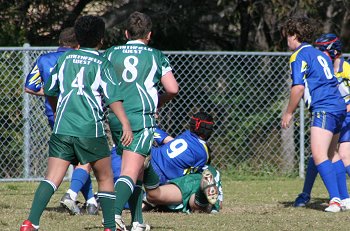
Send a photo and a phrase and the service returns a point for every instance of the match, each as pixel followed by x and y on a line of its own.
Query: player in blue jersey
pixel 41 70
pixel 184 154
pixel 35 81
pixel 331 45
pixel 313 78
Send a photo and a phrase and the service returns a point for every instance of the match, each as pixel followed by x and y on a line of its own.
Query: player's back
pixel 139 69
pixel 185 154
pixel 315 70
pixel 82 78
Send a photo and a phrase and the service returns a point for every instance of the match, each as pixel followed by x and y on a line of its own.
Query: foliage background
pixel 228 25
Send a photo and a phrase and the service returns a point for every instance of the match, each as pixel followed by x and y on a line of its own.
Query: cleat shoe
pixel 302 200
pixel 28 226
pixel 208 186
pixel 92 209
pixel 334 205
pixel 108 229
pixel 140 227
pixel 345 204
pixel 70 205
pixel 120 224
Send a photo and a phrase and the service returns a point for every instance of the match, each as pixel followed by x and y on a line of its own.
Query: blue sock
pixel 310 177
pixel 86 190
pixel 329 178
pixel 347 169
pixel 79 178
pixel 339 169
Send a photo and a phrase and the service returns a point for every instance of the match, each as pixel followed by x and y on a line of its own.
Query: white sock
pixel 92 200
pixel 73 195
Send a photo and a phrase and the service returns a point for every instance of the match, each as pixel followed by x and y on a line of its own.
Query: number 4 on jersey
pixel 78 81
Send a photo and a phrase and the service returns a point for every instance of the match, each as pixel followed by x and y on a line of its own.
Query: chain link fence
pixel 245 91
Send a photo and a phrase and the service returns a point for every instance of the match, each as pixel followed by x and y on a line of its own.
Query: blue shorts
pixel 345 130
pixel 331 121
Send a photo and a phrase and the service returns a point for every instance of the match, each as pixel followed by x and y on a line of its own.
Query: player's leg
pixel 128 186
pixel 81 181
pixel 310 177
pixel 60 152
pixel 104 177
pixel 55 173
pixel 132 166
pixel 339 168
pixel 164 195
pixel 323 127
pixel 96 152
pixel 344 153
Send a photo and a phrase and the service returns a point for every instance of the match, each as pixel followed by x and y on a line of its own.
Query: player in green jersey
pixel 139 69
pixel 80 78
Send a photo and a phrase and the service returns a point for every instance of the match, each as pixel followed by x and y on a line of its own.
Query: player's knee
pixel 152 196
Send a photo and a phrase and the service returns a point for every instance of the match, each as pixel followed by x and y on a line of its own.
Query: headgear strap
pixel 199 121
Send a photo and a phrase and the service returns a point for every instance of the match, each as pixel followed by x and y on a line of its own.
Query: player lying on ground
pixel 179 161
pixel 331 45
pixel 183 193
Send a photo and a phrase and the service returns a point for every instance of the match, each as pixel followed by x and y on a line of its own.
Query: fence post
pixel 302 140
pixel 26 105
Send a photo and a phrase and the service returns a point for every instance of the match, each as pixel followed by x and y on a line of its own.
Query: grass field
pixel 260 204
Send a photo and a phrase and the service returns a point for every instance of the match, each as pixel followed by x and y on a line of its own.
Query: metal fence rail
pixel 245 91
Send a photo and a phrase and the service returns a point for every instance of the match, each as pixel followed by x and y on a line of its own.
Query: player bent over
pixel 80 78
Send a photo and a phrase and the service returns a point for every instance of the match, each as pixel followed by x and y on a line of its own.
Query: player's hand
pixel 286 118
pixel 127 137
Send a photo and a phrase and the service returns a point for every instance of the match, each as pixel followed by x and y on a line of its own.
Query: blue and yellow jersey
pixel 41 72
pixel 314 70
pixel 343 76
pixel 185 154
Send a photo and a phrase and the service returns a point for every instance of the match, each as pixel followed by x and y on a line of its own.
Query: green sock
pixel 123 190
pixel 42 197
pixel 107 200
pixel 200 198
pixel 135 203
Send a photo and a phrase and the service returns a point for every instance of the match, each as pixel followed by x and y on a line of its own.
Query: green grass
pixel 251 204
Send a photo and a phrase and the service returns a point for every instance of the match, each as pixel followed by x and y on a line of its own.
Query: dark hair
pixel 202 124
pixel 89 31
pixel 303 28
pixel 67 38
pixel 138 25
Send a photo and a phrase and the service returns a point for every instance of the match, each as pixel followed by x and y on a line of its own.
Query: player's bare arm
pixel 296 94
pixel 171 88
pixel 38 93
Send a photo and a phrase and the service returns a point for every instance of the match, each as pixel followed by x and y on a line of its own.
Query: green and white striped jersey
pixel 139 69
pixel 80 78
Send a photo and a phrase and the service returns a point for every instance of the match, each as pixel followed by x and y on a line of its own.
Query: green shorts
pixel 188 185
pixel 78 149
pixel 141 143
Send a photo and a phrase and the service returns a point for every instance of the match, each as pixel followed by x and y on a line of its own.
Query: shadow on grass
pixel 315 204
